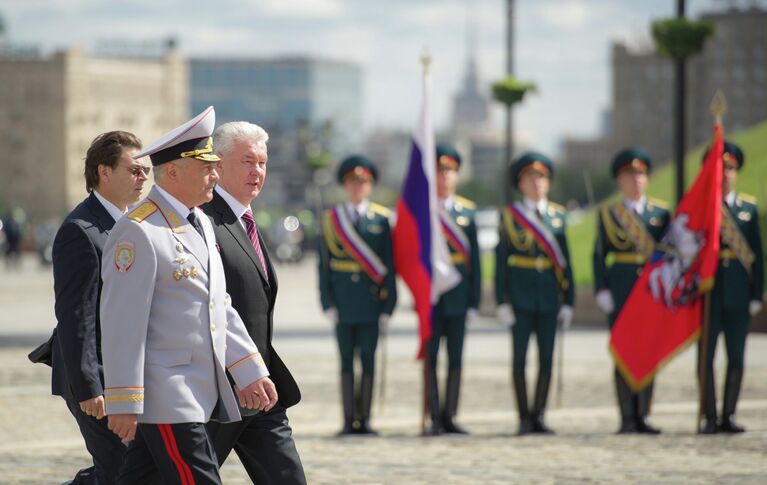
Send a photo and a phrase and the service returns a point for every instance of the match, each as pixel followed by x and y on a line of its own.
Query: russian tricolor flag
pixel 421 256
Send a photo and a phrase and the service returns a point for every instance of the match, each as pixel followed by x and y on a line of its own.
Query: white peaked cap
pixel 192 139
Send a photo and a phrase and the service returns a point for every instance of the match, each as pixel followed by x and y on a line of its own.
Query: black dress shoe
pixel 728 425
pixel 709 427
pixel 628 426
pixel 643 426
pixel 540 427
pixel 452 428
pixel 434 429
pixel 364 428
pixel 525 426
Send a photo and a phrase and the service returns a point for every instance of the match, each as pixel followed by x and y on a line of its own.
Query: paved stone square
pixel 41 445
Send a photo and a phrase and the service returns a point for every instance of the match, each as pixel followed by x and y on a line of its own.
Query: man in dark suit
pixel 262 440
pixel 114 181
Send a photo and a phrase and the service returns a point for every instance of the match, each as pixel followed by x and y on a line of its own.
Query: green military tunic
pixel 735 285
pixel 449 318
pixel 345 286
pixel 618 259
pixel 525 277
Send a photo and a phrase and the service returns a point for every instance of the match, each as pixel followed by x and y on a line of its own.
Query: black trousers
pixel 177 454
pixel 264 444
pixel 104 446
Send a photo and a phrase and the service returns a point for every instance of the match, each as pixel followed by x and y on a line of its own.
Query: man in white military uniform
pixel 169 332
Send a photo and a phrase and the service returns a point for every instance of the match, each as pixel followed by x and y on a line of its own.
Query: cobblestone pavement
pixel 40 443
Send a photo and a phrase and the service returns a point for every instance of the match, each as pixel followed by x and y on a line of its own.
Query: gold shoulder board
pixel 747 198
pixel 557 207
pixel 379 209
pixel 142 212
pixel 469 204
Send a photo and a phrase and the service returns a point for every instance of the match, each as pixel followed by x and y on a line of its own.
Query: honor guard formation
pixel 165 306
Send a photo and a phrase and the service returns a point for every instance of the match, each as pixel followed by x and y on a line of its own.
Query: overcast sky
pixel 561 45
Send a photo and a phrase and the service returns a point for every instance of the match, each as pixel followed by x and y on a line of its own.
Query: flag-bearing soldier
pixel 627 231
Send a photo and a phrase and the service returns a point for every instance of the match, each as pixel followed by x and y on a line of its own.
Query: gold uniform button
pixel 212 305
pixel 213 328
pixel 355 277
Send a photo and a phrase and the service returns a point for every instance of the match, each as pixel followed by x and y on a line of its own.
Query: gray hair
pixel 226 134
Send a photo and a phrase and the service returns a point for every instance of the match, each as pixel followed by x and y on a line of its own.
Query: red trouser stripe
pixel 184 473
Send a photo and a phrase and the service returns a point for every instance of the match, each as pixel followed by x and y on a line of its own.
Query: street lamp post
pixel 680 113
pixel 509 114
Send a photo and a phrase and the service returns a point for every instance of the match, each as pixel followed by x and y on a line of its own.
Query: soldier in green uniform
pixel 627 231
pixel 458 307
pixel 737 293
pixel 533 280
pixel 357 285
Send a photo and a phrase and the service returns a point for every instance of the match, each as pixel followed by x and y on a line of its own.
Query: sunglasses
pixel 136 170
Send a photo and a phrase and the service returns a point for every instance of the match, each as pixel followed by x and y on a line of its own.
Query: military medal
pixel 193 273
pixel 177 275
pixel 186 272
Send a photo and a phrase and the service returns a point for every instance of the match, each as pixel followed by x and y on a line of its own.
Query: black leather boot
pixel 644 402
pixel 731 393
pixel 627 404
pixel 520 392
pixel 347 401
pixel 452 392
pixel 709 405
pixel 539 406
pixel 365 405
pixel 432 402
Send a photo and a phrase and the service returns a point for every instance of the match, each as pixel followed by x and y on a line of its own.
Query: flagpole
pixel 718 108
pixel 382 382
pixel 703 357
pixel 560 367
pixel 425 64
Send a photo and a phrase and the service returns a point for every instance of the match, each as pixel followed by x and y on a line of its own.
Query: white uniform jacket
pixel 168 330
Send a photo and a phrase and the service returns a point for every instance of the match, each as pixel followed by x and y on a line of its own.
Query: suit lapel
pixel 235 228
pixel 101 216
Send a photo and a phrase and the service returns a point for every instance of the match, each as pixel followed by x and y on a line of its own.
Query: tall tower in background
pixel 471 111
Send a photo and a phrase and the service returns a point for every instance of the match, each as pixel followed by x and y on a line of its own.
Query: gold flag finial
pixel 425 60
pixel 718 106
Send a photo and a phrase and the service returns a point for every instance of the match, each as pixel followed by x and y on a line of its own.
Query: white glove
pixel 383 324
pixel 605 301
pixel 754 307
pixel 505 315
pixel 565 317
pixel 332 315
pixel 471 316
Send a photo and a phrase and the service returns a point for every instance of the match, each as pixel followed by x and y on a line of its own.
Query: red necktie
pixel 250 228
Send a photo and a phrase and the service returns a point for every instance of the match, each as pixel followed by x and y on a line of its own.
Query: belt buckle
pixel 539 262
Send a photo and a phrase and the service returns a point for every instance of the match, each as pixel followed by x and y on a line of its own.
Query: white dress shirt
pixel 357 212
pixel 234 204
pixel 110 207
pixel 635 205
pixel 177 205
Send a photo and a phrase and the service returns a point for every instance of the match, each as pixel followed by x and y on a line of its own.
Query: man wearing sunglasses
pixel 114 181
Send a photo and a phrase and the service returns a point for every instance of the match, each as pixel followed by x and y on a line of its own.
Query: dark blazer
pixel 252 296
pixel 77 368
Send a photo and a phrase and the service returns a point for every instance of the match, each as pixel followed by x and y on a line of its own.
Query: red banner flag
pixel 663 312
